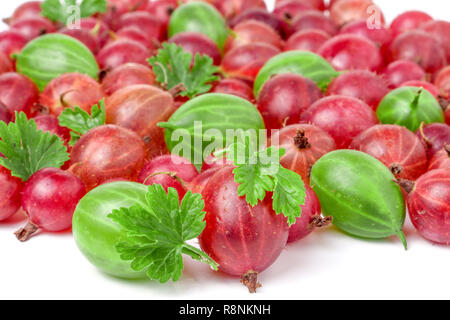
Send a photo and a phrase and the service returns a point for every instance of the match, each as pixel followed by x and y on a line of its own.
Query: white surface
pixel 326 265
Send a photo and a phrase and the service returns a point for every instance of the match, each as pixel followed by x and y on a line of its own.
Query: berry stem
pixel 301 141
pixel 406 185
pixel 318 221
pixel 173 175
pixel 250 280
pixel 25 233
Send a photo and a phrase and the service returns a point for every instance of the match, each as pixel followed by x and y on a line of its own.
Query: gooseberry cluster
pixel 356 109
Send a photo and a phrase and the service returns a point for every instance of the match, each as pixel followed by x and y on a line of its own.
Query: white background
pixel 326 265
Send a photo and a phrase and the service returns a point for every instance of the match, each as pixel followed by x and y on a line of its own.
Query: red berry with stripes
pixel 396 147
pixel 434 137
pixel 441 159
pixel 108 152
pixel 310 218
pixel 342 117
pixel 285 97
pixel 304 145
pixel 360 84
pixel 10 189
pixel 126 75
pixel 242 239
pixel 244 62
pixel 429 205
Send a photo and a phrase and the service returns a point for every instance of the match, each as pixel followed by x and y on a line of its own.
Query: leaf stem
pixel 402 237
pixel 198 254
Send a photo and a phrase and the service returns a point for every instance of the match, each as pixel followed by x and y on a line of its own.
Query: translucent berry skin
pixel 285 97
pixel 440 160
pixel 346 11
pixel 244 62
pixel 307 40
pixel 71 90
pixel 434 137
pixel 12 41
pixel 127 75
pixel 169 163
pixel 409 20
pixel 235 87
pixel 161 9
pixel 140 108
pixel 5 115
pixel 289 9
pixel 360 84
pixel 10 190
pixel 144 21
pixel 135 34
pixel 232 8
pixel 314 4
pixel 196 42
pixel 418 46
pixel 302 227
pixel 84 36
pixel 29 9
pixel 240 238
pixel 120 52
pixel 5 63
pixel 429 206
pixel 441 30
pixel 50 197
pixel 442 82
pixel 181 167
pixel 314 20
pixel 396 147
pixel 250 31
pixel 18 93
pixel 302 154
pixel 98 28
pixel 33 27
pixel 199 183
pixel 342 117
pixel 262 15
pixel 213 162
pixel 108 152
pixel 381 36
pixel 49 123
pixel 348 52
pixel 401 71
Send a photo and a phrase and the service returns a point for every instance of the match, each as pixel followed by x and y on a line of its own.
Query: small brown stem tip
pixel 250 280
pixel 396 169
pixel 406 185
pixel 318 221
pixel 25 233
pixel 301 141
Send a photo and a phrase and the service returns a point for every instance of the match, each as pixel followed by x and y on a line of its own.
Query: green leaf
pixel 289 193
pixel 80 122
pixel 61 11
pixel 172 68
pixel 27 149
pixel 155 235
pixel 261 172
pixel 90 7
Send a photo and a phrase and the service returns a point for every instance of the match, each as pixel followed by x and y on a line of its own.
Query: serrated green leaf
pixel 261 172
pixel 155 236
pixel 80 122
pixel 172 67
pixel 252 184
pixel 90 7
pixel 289 194
pixel 27 149
pixel 61 11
